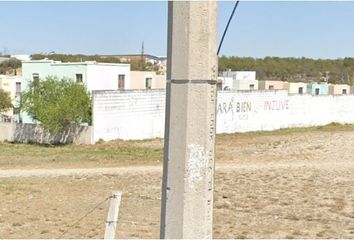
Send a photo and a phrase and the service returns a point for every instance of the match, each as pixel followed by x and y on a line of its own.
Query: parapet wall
pixel 140 114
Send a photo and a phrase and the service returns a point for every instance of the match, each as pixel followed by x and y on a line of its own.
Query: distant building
pixel 22 57
pixel 238 80
pixel 272 85
pixel 338 89
pixel 297 88
pixel 318 88
pixel 147 80
pixel 95 76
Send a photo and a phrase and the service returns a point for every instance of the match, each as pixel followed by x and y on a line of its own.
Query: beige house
pixel 11 84
pixel 338 89
pixel 272 85
pixel 297 88
pixel 147 80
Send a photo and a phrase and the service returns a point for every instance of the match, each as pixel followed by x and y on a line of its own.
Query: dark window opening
pixel 301 90
pixel 148 83
pixel 121 81
pixel 79 78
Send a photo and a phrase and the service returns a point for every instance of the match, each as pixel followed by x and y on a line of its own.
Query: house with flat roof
pixel 238 80
pixel 12 85
pixel 297 88
pixel 338 89
pixel 272 85
pixel 317 88
pixel 95 76
pixel 147 80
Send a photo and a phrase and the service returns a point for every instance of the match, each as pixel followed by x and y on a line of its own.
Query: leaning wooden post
pixel 112 217
pixel 187 189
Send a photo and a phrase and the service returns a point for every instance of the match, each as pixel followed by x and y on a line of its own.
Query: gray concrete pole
pixel 187 189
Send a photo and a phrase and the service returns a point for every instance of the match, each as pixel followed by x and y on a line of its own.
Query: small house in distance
pixel 95 76
pixel 272 85
pixel 317 88
pixel 339 89
pixel 238 80
pixel 297 88
pixel 147 80
pixel 12 85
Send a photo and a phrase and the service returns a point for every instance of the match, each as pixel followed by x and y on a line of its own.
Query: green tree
pixel 5 101
pixel 57 104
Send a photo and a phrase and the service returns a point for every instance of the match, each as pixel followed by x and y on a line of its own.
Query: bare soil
pixel 271 185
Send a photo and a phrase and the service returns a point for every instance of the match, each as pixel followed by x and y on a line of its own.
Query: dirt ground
pixel 296 184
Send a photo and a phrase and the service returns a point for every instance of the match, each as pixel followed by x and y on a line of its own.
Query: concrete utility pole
pixel 187 189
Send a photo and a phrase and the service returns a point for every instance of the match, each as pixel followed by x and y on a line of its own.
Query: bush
pixel 57 104
pixel 5 101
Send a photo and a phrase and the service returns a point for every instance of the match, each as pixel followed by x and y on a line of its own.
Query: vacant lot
pixel 284 184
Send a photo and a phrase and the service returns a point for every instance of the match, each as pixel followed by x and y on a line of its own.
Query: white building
pixel 239 80
pixel 22 57
pixel 95 76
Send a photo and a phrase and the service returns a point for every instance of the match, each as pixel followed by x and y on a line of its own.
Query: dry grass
pixel 280 185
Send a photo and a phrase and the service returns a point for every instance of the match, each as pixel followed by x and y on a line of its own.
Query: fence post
pixel 112 217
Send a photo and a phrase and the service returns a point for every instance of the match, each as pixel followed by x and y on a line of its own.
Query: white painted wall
pixel 140 114
pixel 134 114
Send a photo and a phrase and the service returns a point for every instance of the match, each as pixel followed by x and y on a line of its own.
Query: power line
pixel 227 26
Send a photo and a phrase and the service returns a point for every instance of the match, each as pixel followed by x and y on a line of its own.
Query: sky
pixel 259 29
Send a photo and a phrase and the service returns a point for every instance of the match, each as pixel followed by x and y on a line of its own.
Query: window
pixel 271 87
pixel 18 88
pixel 121 81
pixel 301 90
pixel 79 78
pixel 251 86
pixel 317 91
pixel 148 83
pixel 344 91
pixel 35 79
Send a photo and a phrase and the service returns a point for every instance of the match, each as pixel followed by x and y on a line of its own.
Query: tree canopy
pixel 293 69
pixel 9 66
pixel 5 101
pixel 57 104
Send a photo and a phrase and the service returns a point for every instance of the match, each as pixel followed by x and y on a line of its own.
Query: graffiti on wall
pixel 234 107
pixel 276 105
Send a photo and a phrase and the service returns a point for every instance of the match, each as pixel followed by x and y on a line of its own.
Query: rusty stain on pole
pixel 187 189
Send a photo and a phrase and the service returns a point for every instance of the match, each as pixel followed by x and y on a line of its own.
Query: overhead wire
pixel 227 26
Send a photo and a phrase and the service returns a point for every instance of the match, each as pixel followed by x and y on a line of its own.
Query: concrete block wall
pixel 32 133
pixel 140 114
pixel 130 114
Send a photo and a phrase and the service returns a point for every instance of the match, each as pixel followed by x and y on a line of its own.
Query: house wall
pixel 160 81
pixel 294 87
pixel 140 114
pixel 138 79
pixel 337 89
pixel 105 76
pixel 323 88
pixel 8 84
pixel 264 85
pixel 245 84
pixel 240 75
pixel 96 76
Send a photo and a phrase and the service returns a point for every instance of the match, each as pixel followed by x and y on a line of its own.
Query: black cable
pixel 227 26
